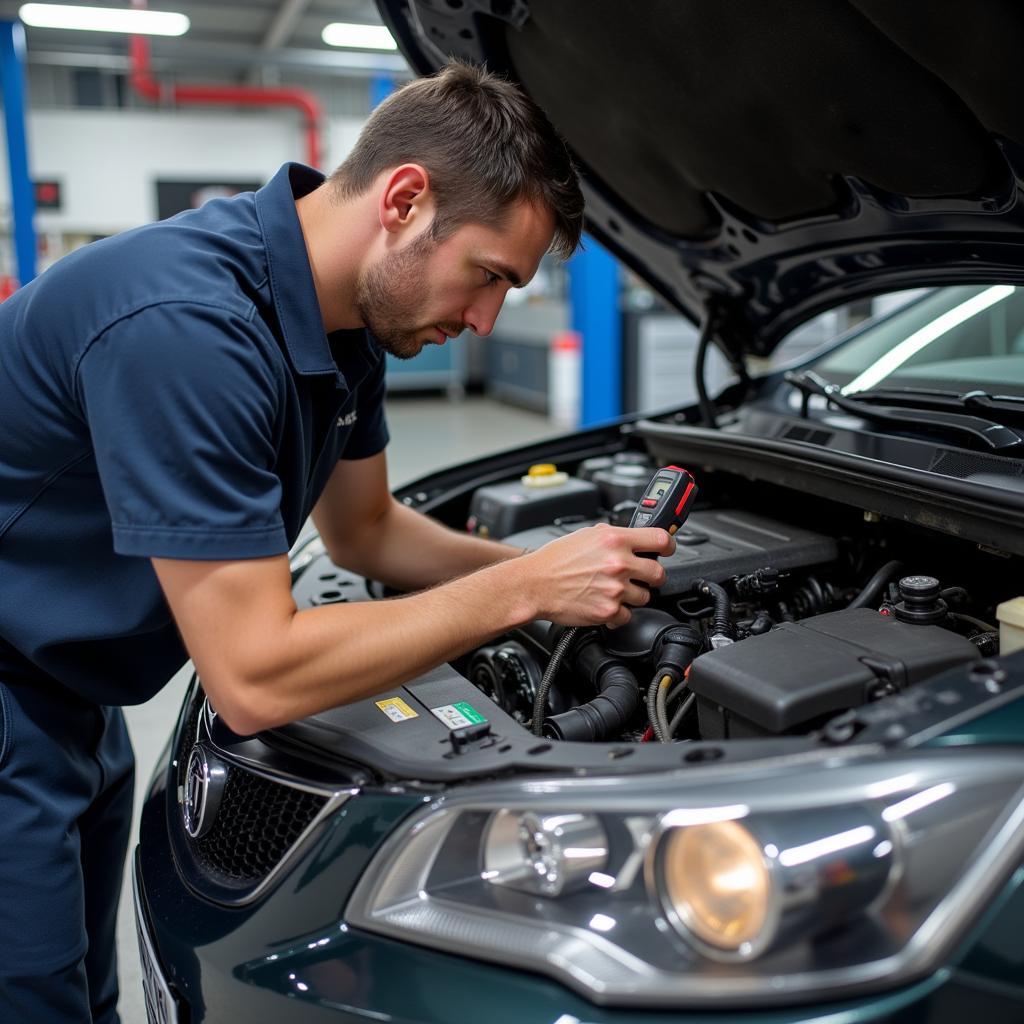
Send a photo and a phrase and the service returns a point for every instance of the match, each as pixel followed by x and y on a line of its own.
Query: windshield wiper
pixel 1005 409
pixel 930 412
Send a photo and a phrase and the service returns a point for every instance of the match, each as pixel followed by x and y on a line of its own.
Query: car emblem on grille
pixel 204 786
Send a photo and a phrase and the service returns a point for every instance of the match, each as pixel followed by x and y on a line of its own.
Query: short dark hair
pixel 485 144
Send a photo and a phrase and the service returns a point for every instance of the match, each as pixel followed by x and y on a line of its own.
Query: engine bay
pixel 782 613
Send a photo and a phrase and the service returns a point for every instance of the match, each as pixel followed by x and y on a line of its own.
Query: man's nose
pixel 481 315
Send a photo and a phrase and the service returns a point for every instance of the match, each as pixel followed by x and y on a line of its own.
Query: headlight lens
pixel 717 884
pixel 810 876
pixel 736 889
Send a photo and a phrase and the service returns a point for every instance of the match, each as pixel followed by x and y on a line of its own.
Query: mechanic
pixel 177 400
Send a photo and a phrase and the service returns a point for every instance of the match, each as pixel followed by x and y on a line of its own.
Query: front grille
pixel 257 823
pixel 189 732
pixel 259 820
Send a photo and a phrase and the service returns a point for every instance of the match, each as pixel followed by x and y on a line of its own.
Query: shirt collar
pixel 291 279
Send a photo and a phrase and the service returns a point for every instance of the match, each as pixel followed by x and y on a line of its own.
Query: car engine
pixel 764 626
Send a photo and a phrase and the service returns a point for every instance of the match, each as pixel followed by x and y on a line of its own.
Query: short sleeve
pixel 182 405
pixel 370 432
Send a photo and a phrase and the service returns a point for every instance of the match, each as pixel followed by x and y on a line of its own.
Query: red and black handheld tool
pixel 667 500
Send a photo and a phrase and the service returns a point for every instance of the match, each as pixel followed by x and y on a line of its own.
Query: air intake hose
pixel 611 711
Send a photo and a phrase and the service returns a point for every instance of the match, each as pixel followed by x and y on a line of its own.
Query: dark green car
pixel 792 788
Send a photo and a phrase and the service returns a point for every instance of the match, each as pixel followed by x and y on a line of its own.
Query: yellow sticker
pixel 396 709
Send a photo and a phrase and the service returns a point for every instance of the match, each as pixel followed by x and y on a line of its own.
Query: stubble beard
pixel 391 293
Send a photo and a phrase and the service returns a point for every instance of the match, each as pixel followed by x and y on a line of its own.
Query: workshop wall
pixel 108 161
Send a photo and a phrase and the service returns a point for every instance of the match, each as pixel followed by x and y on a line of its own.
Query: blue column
pixel 381 87
pixel 594 296
pixel 23 202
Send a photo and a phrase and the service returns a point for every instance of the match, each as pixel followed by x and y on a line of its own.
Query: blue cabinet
pixel 437 366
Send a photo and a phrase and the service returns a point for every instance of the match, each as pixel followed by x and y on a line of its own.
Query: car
pixel 791 788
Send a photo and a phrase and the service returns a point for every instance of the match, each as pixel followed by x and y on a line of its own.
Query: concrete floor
pixel 426 434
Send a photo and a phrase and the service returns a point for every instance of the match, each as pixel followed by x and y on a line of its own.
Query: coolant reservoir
pixel 539 498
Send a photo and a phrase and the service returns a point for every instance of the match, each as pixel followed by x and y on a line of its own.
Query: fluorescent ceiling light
pixel 358 37
pixel 104 19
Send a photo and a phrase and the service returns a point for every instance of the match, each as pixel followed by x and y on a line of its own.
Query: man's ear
pixel 406 200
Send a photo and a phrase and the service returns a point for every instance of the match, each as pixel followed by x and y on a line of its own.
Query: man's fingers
pixel 649 571
pixel 636 596
pixel 620 618
pixel 651 539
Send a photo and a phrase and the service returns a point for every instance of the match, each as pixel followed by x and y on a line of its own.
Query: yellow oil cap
pixel 542 469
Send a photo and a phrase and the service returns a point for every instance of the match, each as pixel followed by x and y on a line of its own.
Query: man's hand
pixel 591 576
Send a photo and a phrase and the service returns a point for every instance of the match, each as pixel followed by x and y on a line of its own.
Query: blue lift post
pixel 594 297
pixel 23 203
pixel 381 87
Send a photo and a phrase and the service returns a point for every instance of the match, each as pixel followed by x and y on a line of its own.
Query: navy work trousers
pixel 66 783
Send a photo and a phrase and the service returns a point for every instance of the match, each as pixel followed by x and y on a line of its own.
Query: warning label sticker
pixel 396 709
pixel 458 716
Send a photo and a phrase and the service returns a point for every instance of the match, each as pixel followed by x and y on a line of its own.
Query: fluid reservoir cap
pixel 919 587
pixel 921 603
pixel 544 474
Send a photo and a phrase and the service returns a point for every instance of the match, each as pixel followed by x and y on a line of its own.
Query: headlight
pixel 736 889
pixel 810 876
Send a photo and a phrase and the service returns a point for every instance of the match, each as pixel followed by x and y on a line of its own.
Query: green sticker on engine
pixel 458 716
pixel 474 716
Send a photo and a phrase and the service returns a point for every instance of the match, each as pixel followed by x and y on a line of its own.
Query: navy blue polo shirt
pixel 169 392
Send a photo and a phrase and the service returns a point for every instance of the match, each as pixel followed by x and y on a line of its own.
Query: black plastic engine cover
pixel 801 672
pixel 717 544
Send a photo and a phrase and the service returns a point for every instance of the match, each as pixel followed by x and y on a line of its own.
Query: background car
pixel 820 814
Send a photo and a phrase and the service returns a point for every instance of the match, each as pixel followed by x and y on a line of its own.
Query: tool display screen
pixel 659 487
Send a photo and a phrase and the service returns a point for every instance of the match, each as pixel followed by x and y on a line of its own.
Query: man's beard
pixel 391 293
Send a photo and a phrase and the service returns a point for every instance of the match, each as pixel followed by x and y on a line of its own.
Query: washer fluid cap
pixel 544 474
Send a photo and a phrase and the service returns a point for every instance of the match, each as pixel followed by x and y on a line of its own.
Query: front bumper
pixel 289 956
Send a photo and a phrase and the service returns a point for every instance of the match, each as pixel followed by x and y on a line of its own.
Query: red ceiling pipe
pixel 147 86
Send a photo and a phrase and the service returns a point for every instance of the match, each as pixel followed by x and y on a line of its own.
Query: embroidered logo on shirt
pixel 348 419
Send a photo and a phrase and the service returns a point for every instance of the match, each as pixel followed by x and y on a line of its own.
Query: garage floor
pixel 426 434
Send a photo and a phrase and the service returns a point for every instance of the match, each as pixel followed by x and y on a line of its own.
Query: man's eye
pixel 490 278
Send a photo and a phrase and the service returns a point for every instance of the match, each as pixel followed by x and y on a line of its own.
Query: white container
pixel 564 379
pixel 1011 625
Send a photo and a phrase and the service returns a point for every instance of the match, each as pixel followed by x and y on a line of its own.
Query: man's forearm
pixel 410 551
pixel 341 653
pixel 264 662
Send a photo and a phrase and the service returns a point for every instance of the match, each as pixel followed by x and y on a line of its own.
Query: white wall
pixel 109 160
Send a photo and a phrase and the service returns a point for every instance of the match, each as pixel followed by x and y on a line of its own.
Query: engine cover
pixel 802 673
pixel 717 545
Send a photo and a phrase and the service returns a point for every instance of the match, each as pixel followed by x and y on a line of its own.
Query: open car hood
pixel 759 163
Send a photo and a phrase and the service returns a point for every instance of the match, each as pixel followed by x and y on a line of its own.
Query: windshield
pixel 959 338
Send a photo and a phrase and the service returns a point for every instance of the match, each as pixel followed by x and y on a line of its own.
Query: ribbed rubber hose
pixel 605 715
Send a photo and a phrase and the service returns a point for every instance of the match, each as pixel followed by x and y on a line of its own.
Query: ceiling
pixel 251 40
